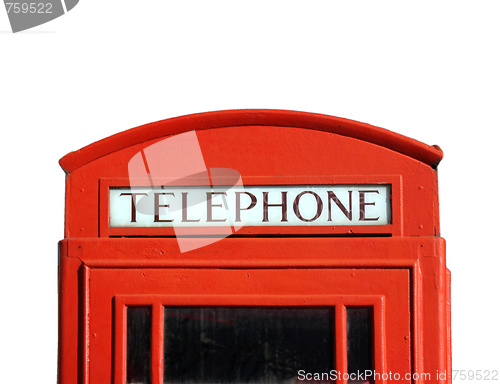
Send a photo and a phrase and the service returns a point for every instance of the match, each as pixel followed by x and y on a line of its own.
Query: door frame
pixel 424 257
pixel 158 302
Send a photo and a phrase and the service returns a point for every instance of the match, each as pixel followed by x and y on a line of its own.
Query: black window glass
pixel 246 344
pixel 139 345
pixel 359 339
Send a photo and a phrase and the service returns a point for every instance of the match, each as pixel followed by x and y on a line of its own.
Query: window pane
pixel 241 345
pixel 359 339
pixel 139 345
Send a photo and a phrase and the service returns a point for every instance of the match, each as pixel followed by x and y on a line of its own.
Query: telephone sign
pixel 292 205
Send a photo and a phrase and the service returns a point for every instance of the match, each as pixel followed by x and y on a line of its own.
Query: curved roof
pixel 430 155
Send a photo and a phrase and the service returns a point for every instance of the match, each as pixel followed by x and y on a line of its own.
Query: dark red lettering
pixel 133 214
pixel 319 205
pixel 185 210
pixel 347 213
pixel 253 202
pixel 210 206
pixel 267 205
pixel 363 204
pixel 158 206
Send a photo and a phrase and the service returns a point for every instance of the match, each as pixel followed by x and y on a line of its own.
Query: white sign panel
pixel 277 205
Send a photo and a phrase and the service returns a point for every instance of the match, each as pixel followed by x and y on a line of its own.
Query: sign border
pixel 392 229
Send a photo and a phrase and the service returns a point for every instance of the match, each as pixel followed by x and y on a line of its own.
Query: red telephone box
pixel 253 246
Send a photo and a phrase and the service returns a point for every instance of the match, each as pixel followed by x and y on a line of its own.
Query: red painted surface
pixel 399 268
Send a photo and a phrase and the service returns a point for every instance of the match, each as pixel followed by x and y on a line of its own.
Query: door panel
pixel 289 310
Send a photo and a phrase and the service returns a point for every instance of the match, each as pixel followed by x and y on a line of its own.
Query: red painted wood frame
pixel 111 275
pixel 266 148
pixel 382 304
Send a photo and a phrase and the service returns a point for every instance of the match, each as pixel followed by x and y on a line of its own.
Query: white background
pixel 428 70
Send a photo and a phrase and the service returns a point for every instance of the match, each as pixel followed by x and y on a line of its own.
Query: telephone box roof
pixel 430 155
